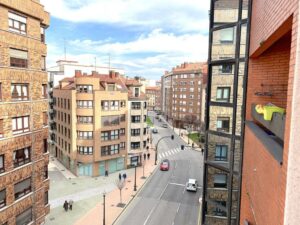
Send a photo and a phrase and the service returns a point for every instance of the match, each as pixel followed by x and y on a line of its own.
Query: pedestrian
pixel 124 176
pixel 193 145
pixel 106 173
pixel 144 156
pixel 148 155
pixel 66 206
pixel 70 204
pixel 202 150
pixel 120 176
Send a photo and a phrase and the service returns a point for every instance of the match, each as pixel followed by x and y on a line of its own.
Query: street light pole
pixel 134 187
pixel 103 208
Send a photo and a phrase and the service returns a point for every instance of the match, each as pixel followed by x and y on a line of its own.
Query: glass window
pixel 43 63
pixel 223 94
pixel 21 156
pixel 85 150
pixel 2 198
pixel 223 124
pixel 2 169
pixel 220 209
pixel 221 152
pixel 135 105
pixel 20 124
pixel 17 23
pixel 19 92
pixel 25 217
pixel 105 136
pixel 135 145
pixel 105 105
pixel 43 34
pixel 220 180
pixel 22 188
pixel 18 58
pixel 1 129
pixel 114 105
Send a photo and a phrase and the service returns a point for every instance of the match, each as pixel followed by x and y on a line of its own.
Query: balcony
pixel 276 126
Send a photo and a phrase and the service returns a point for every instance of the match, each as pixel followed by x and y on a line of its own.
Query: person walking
pixel 124 176
pixel 120 176
pixel 106 173
pixel 144 156
pixel 66 206
pixel 148 155
pixel 71 204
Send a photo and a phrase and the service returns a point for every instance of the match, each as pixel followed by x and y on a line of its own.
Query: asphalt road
pixel 163 199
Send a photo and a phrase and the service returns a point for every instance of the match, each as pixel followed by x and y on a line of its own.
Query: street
pixel 164 200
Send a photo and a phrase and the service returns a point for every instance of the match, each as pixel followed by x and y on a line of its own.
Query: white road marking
pixel 183 185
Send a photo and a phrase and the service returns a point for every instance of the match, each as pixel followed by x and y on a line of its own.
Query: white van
pixel 192 185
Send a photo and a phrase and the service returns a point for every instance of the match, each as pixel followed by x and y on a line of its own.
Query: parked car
pixel 164 125
pixel 165 165
pixel 191 185
pixel 154 131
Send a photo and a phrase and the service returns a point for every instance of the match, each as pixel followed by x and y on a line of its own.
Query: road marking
pixel 163 191
pixel 178 207
pixel 183 185
pixel 148 217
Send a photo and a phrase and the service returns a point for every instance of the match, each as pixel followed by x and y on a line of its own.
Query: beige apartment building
pixel 137 126
pixel 91 123
pixel 24 155
pixel 182 90
pixel 153 96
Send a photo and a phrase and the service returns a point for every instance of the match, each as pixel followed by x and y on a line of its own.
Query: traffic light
pixel 182 147
pixel 172 137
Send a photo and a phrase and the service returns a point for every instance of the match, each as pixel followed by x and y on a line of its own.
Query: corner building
pixel 24 156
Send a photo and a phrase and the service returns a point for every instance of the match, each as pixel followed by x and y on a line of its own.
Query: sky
pixel 143 37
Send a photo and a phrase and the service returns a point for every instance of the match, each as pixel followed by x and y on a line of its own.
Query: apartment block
pixel 182 90
pixel 24 155
pixel 225 108
pixel 137 126
pixel 271 164
pixel 153 96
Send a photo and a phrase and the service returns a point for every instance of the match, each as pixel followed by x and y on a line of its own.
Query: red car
pixel 165 165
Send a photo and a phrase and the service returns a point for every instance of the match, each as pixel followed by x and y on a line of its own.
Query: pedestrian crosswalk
pixel 168 153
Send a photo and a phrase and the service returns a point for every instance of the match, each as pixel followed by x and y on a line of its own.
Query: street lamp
pixel 134 187
pixel 189 130
pixel 104 207
pixel 156 147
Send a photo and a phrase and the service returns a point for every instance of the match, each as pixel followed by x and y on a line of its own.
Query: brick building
pixel 153 96
pixel 24 156
pixel 271 167
pixel 182 90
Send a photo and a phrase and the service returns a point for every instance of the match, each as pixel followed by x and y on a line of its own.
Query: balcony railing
pixel 276 125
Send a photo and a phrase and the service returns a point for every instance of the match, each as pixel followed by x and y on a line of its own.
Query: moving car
pixel 164 125
pixel 165 165
pixel 154 131
pixel 191 185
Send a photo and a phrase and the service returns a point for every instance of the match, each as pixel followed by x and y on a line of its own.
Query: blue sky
pixel 144 37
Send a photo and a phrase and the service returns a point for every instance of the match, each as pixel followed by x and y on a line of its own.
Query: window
pixel 226 35
pixel 2 198
pixel 109 150
pixel 110 120
pixel 122 104
pixel 20 124
pixel 135 119
pixel 18 58
pixel 226 68
pixel 85 134
pixel 221 153
pixel 220 209
pixel 145 131
pixel 43 62
pixel 223 94
pixel 85 104
pixel 114 105
pixel 0 91
pixel 135 105
pixel 84 88
pixel 122 131
pixel 19 92
pixel 145 105
pixel 136 92
pixel 45 118
pixel 223 124
pixel 21 156
pixel 43 34
pixel 122 118
pixel 114 134
pixel 2 169
pixel 45 172
pixel 220 180
pixel 105 136
pixel 135 132
pixel 135 145
pixel 68 103
pixel 17 23
pixel 85 150
pixel 105 105
pixel 24 218
pixel 110 87
pixel 44 90
pixel 46 198
pixel 84 119
pixel 22 188
pixel 122 145
pixel 1 129
pixel 45 145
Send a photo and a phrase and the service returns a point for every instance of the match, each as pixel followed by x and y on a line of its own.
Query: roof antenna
pixel 95 63
pixel 65 49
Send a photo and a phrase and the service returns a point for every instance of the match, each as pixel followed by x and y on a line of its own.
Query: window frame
pixel 220 157
pixel 23 129
pixel 25 192
pixel 222 128
pixel 20 158
pixel 14 21
pixel 18 62
pixel 22 96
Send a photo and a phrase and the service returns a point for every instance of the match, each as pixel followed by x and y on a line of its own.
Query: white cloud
pixel 188 15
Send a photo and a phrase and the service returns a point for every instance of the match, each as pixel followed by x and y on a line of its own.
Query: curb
pixel 136 194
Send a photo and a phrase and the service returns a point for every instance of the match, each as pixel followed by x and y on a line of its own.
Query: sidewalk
pixel 112 199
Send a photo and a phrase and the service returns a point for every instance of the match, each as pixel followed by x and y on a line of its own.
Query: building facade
pixel 227 76
pixel 90 123
pixel 182 90
pixel 153 96
pixel 137 126
pixel 24 155
pixel 271 167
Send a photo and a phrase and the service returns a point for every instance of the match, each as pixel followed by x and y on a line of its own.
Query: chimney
pixel 112 74
pixel 117 74
pixel 78 73
pixel 94 73
pixel 185 65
